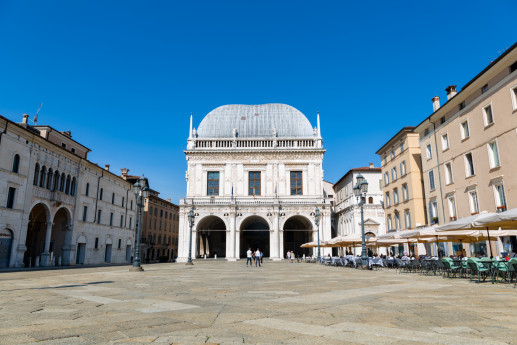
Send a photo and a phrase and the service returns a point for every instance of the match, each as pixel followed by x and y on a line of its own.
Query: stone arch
pixel 81 239
pixel 6 246
pixel 297 230
pixel 50 176
pixel 254 233
pixel 43 175
pixel 16 163
pixel 35 239
pixel 211 236
pixel 59 241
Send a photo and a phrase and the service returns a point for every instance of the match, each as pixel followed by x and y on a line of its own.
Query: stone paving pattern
pixel 226 302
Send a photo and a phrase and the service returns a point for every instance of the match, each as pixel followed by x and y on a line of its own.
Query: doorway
pixel 81 252
pixel 107 254
pixel 6 240
pixel 254 233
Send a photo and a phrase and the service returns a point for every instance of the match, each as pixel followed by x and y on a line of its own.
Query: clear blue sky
pixel 124 76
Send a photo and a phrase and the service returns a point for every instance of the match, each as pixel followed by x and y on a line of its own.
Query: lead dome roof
pixel 255 121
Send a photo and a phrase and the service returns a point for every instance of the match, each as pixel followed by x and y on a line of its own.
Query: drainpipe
pixel 127 200
pixel 439 174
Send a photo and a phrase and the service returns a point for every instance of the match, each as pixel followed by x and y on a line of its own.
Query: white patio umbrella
pixel 505 220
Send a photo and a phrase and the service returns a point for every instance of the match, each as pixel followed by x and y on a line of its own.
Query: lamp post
pixel 317 217
pixel 360 190
pixel 191 217
pixel 141 189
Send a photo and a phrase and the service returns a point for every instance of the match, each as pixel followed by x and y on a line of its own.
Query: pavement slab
pixel 219 302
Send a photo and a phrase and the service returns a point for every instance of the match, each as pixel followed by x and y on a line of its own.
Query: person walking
pixel 248 257
pixel 257 258
pixel 292 256
pixel 261 256
pixel 288 255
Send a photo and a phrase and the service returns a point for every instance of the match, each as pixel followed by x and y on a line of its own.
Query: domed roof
pixel 255 121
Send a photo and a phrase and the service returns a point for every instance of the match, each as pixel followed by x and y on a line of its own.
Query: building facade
pixel 56 207
pixel 347 211
pixel 467 148
pixel 254 179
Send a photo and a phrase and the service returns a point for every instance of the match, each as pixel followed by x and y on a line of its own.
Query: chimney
pixel 25 119
pixel 169 199
pixel 107 167
pixel 68 134
pixel 451 91
pixel 371 166
pixel 436 103
pixel 124 172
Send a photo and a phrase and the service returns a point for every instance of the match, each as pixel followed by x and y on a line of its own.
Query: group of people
pixel 290 256
pixel 254 257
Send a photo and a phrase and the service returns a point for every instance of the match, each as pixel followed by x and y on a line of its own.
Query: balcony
pixel 266 143
pixel 52 195
pixel 250 201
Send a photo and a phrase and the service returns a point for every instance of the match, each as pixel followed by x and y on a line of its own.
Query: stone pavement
pixel 229 303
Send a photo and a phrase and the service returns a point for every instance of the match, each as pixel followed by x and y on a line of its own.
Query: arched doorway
pixel 211 237
pixel 6 241
pixel 333 233
pixel 254 233
pixel 297 231
pixel 57 239
pixel 36 231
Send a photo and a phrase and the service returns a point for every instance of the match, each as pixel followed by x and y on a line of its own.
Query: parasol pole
pixel 489 245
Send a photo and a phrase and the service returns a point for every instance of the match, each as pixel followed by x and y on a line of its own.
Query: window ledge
pixel 445 149
pixel 489 125
pixel 462 140
pixel 448 184
pixel 474 175
pixel 495 168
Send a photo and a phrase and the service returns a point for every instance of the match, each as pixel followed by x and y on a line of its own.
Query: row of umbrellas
pixel 470 229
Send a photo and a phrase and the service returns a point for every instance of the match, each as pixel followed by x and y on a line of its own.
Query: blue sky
pixel 123 76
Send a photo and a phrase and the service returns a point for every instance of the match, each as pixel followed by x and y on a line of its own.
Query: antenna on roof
pixel 36 116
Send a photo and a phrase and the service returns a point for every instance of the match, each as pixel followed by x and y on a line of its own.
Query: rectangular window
pixel 85 213
pixel 101 193
pixel 99 213
pixel 213 183
pixel 403 170
pixel 386 178
pixel 448 173
pixel 445 141
pixel 131 204
pixel 392 154
pixel 123 199
pixel 394 174
pixel 161 213
pixel 385 159
pixel 254 183
pixel 464 130
pixel 401 147
pixel 397 221
pixel 462 105
pixel 96 243
pixel 111 219
pixel 469 165
pixel 395 196
pixel 428 151
pixel 405 192
pixel 113 198
pixel 442 120
pixel 452 208
pixel 513 92
pixel 296 183
pixel 390 223
pixel 407 219
pixel 119 243
pixel 500 198
pixel 63 145
pixel 488 116
pixel 87 189
pixel 431 180
pixel 493 154
pixel 121 220
pixel 73 150
pixel 388 200
pixel 10 197
pixel 130 222
pixel 433 212
pixel 473 201
pixel 484 88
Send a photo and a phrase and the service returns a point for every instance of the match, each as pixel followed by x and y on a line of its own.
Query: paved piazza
pixel 228 303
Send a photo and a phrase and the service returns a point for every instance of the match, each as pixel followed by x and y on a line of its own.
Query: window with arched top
pixel 62 183
pixel 55 185
pixel 87 191
pixel 101 193
pixel 43 174
pixel 16 163
pixel 370 200
pixel 73 186
pixel 36 175
pixel 67 186
pixel 50 175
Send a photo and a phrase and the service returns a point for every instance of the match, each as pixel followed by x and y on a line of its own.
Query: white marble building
pixel 56 207
pixel 254 179
pixel 347 212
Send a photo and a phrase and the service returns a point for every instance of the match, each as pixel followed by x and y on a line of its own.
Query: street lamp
pixel 141 188
pixel 317 217
pixel 360 190
pixel 191 217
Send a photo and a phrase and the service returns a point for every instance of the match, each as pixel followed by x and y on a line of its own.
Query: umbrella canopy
pixel 506 220
pixel 388 242
pixel 467 223
pixel 349 240
pixel 395 234
pixel 310 244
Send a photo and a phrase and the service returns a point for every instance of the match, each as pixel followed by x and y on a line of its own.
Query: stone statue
pixel 194 133
pixel 235 132
pixel 274 132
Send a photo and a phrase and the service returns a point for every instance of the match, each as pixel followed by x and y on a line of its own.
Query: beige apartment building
pixel 467 145
pixel 403 192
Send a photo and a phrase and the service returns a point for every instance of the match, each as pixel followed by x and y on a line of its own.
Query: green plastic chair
pixel 451 268
pixel 502 269
pixel 479 268
pixel 512 269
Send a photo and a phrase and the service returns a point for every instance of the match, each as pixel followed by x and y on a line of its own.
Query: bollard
pixel 215 256
pixel 59 261
pixel 36 262
pixel 205 256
